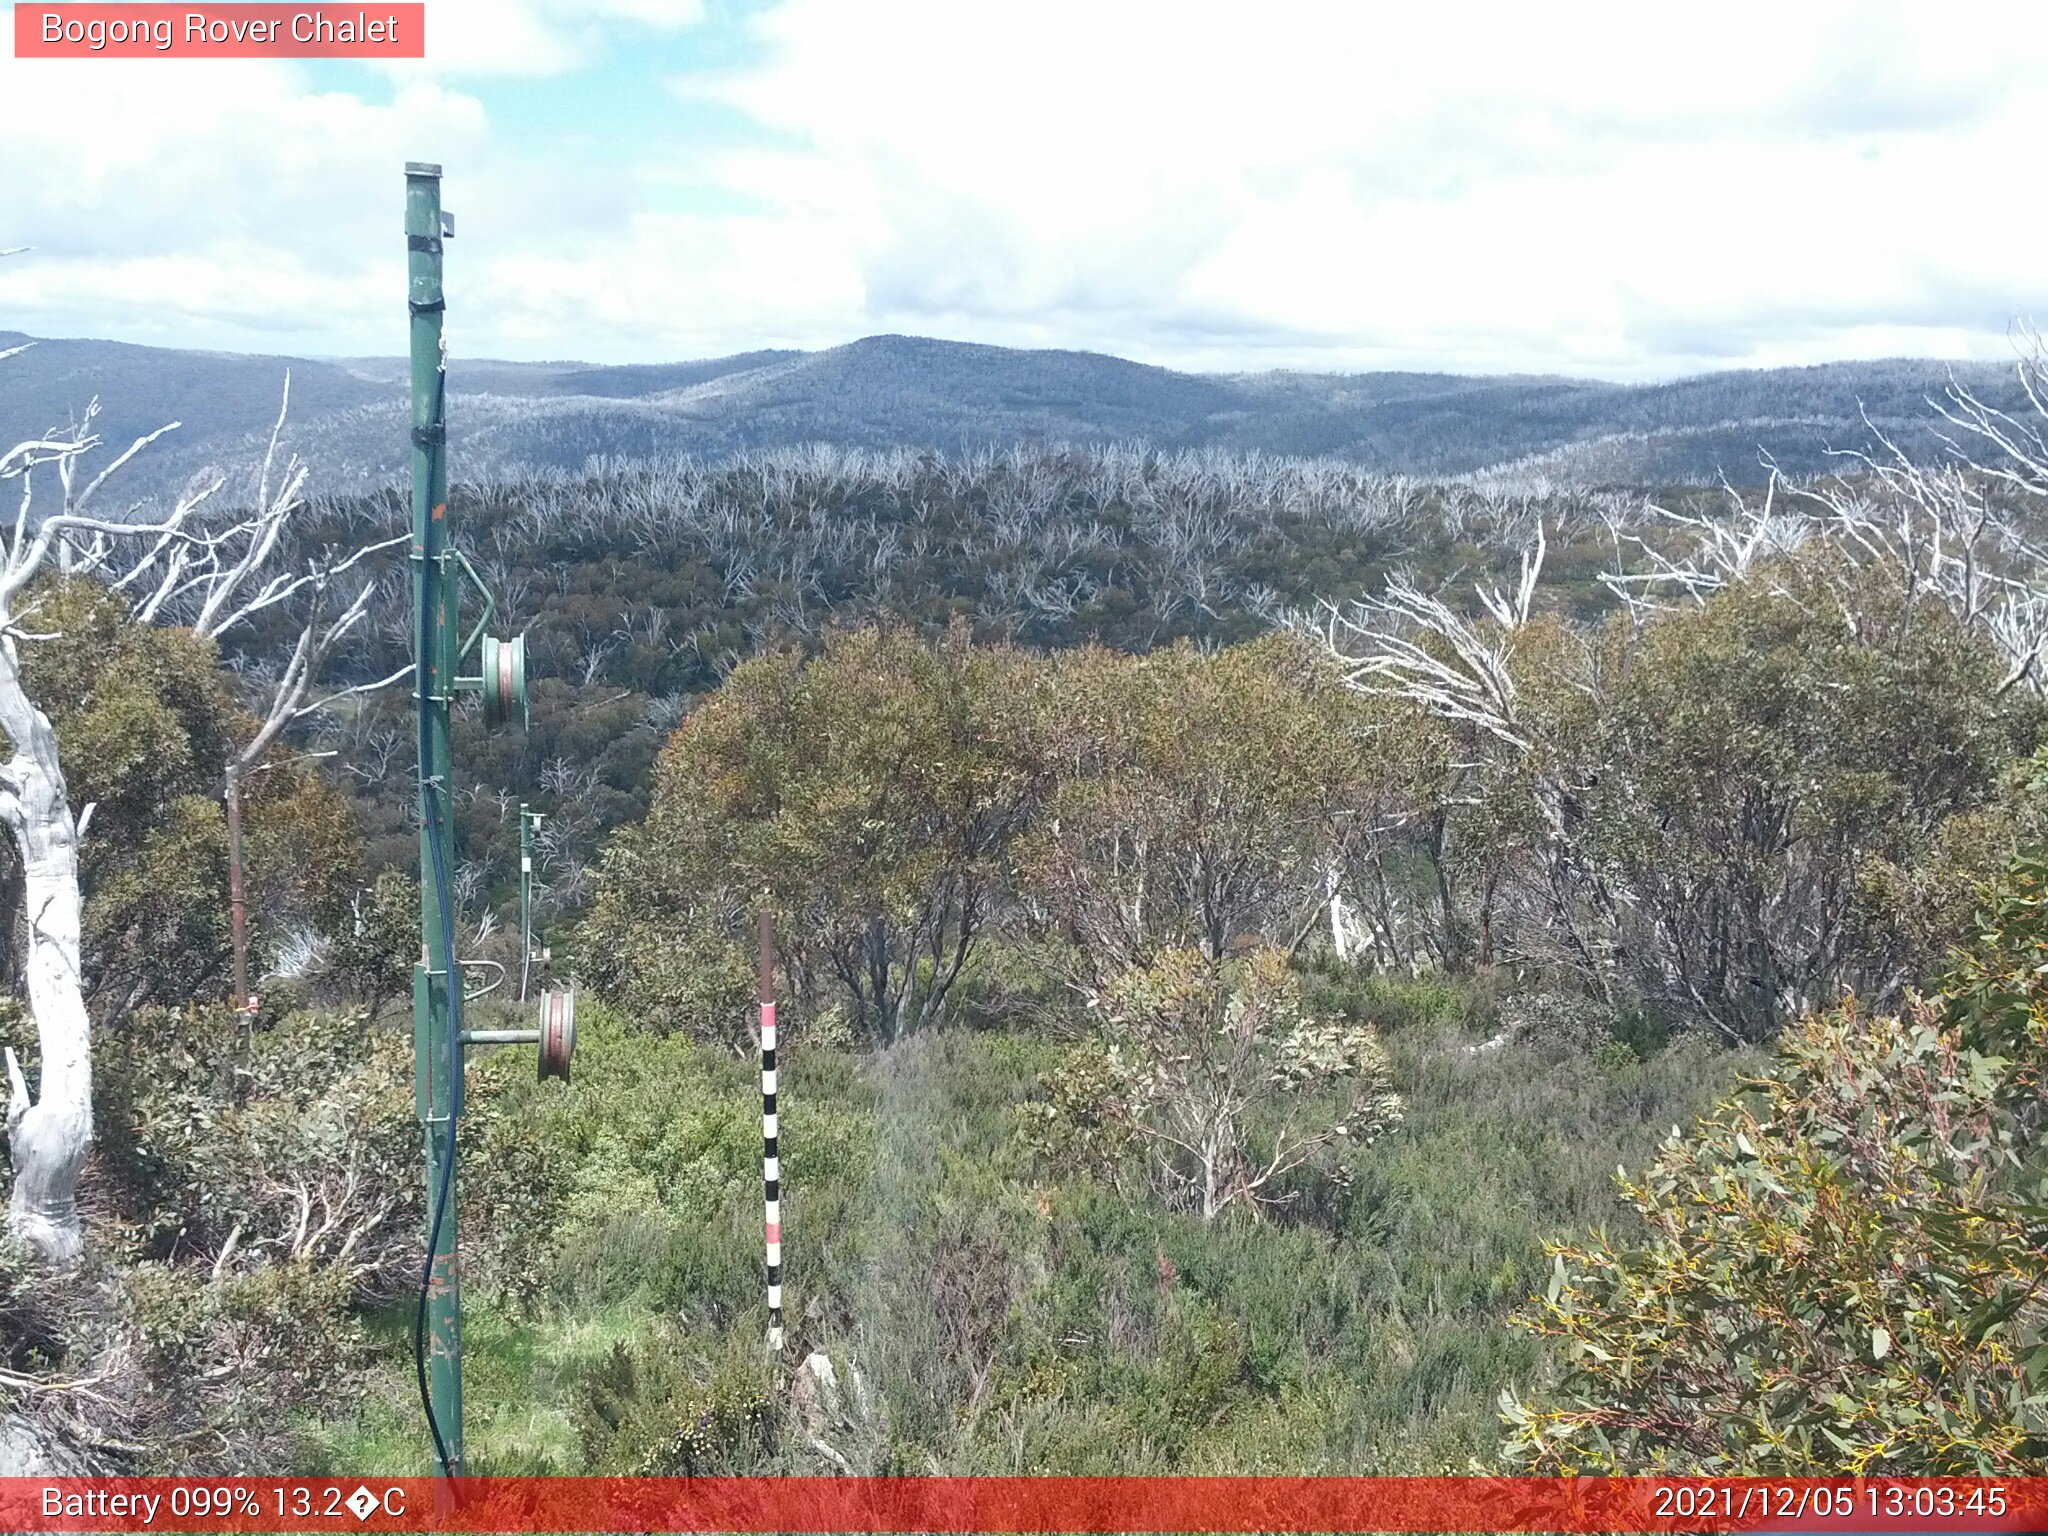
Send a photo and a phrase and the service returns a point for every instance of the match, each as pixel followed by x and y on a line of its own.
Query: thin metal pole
pixel 238 900
pixel 525 898
pixel 771 1160
pixel 437 1050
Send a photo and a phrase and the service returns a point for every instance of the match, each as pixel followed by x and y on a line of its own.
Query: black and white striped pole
pixel 771 1159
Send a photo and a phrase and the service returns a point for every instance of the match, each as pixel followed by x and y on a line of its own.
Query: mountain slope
pixel 348 415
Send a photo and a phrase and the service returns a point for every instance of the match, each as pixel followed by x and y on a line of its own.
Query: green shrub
pixel 660 1410
pixel 1082 1125
pixel 1394 1002
pixel 1558 1027
pixel 642 1172
pixel 1221 1081
pixel 241 1149
pixel 372 957
pixel 1843 1268
pixel 225 1367
pixel 1008 1313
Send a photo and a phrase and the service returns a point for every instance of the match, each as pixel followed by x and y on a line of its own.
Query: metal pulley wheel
pixel 504 680
pixel 557 1031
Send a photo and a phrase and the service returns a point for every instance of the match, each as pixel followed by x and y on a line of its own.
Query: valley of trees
pixel 1235 915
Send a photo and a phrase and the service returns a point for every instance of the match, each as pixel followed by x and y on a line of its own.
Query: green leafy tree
pixel 146 719
pixel 1840 1269
pixel 1721 808
pixel 869 796
pixel 1757 759
pixel 1196 801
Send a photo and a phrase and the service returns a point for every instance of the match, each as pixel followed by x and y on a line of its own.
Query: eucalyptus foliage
pixel 1842 1267
pixel 146 719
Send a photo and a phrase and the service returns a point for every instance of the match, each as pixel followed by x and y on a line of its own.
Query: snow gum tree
pixel 194 566
pixel 50 1133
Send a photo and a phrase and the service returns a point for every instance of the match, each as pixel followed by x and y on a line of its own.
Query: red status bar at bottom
pixel 988 1504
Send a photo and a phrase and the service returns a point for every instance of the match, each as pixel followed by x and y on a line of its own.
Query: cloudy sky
pixel 1626 191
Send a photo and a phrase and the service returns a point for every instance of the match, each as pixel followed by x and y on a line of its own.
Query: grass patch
pixel 519 1380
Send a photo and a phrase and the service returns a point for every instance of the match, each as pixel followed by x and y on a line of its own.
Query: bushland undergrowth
pixel 1002 1315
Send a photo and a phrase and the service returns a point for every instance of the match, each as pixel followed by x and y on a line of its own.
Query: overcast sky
pixel 1625 191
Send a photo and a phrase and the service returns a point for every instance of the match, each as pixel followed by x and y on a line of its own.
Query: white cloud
pixel 1613 189
pixel 219 203
pixel 533 37
pixel 1531 186
pixel 670 287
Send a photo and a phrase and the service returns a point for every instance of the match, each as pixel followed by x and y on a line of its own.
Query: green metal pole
pixel 437 1050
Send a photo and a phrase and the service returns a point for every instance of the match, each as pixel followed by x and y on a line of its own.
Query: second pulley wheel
pixel 557 1032
pixel 504 680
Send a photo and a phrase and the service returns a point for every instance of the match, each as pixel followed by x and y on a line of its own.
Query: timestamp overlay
pixel 991 1504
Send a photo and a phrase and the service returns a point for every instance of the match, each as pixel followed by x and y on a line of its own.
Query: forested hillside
pixel 1234 915
pixel 894 392
pixel 640 588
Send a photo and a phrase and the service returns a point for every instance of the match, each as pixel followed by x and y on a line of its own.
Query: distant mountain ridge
pixel 348 415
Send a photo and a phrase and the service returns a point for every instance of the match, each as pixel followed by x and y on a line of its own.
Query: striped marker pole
pixel 771 1161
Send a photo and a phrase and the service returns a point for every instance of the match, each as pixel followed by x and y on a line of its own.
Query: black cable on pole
pixel 430 809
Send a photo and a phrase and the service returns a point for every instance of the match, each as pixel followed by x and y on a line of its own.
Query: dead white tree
pixel 1412 645
pixel 161 565
pixel 49 1134
pixel 1962 530
pixel 1959 529
pixel 1710 553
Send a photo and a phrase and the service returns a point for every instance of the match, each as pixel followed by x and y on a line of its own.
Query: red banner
pixel 990 1504
pixel 359 31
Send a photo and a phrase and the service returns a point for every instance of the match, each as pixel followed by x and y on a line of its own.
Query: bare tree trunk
pixel 48 1138
pixel 1339 939
pixel 14 946
pixel 1387 921
pixel 1453 937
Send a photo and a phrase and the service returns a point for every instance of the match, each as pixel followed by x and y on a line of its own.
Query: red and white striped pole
pixel 771 1161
